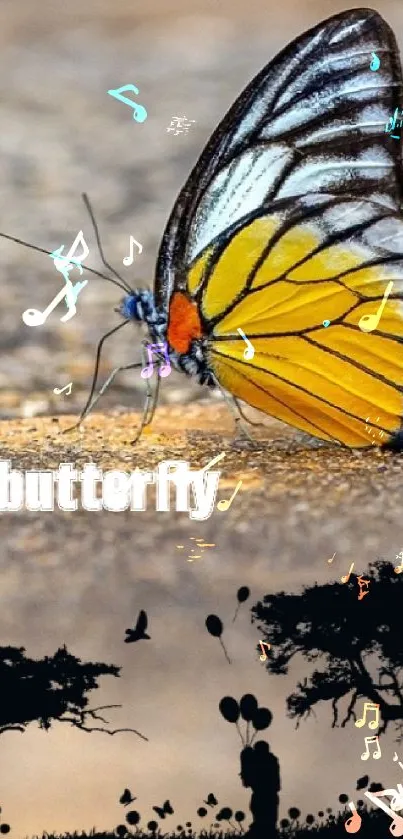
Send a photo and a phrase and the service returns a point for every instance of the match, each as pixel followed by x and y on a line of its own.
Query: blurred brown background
pixel 81 578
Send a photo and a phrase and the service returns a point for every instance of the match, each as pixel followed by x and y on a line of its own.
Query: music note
pixel 397 821
pixel 139 113
pixel 353 824
pixel 398 569
pixel 33 317
pixel 346 578
pixel 263 644
pixel 250 350
pixel 66 263
pixel 377 753
pixel 127 260
pixel 164 369
pixel 370 322
pixel 225 505
pixel 375 63
pixel 331 560
pixel 58 391
pixel 369 706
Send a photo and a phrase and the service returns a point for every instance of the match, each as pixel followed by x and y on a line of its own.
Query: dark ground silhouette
pixel 324 619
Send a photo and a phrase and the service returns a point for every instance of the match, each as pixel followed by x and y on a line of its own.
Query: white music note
pixel 33 317
pixel 127 260
pixel 250 350
pixel 67 389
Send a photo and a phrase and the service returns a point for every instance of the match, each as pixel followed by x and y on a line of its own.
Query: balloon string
pixel 240 734
pixel 253 738
pixel 247 733
pixel 225 652
pixel 236 612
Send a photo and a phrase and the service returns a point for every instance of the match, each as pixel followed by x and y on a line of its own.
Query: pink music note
pixel 353 824
pixel 165 369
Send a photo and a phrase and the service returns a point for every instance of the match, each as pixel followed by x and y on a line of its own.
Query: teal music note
pixel 139 113
pixel 375 63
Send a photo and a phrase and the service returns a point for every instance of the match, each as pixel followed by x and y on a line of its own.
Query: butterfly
pixel 211 800
pixel 290 220
pixel 292 216
pixel 126 797
pixel 166 809
pixel 139 631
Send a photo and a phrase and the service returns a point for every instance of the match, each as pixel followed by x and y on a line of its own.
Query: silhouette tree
pixel 358 641
pixel 50 689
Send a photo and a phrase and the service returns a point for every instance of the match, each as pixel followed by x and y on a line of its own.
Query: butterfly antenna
pixel 48 253
pixel 98 238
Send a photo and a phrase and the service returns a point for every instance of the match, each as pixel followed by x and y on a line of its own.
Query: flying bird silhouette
pixel 139 631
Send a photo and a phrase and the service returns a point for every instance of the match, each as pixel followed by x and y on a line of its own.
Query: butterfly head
pixel 140 306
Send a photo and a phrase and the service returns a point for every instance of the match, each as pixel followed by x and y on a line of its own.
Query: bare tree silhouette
pixel 359 642
pixel 51 689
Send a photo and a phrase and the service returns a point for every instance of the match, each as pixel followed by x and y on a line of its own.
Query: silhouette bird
pixel 139 631
pixel 126 797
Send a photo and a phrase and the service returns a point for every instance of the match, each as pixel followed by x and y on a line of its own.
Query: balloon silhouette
pixel 242 595
pixel 214 625
pixel 249 706
pixel 215 628
pixel 262 719
pixel 229 709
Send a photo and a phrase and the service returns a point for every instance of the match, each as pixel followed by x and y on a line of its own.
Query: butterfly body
pixel 190 357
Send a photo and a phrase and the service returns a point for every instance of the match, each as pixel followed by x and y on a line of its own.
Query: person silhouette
pixel 260 771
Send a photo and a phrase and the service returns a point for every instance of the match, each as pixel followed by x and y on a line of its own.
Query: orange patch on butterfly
pixel 184 323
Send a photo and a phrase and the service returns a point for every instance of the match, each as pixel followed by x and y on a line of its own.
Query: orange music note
pixel 224 505
pixel 353 824
pixel 263 644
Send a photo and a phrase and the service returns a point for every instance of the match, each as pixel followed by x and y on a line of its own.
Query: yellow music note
pixel 224 505
pixel 369 706
pixel 370 322
pixel 263 644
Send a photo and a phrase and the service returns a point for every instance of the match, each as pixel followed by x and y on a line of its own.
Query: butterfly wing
pixel 168 809
pixel 257 238
pixel 160 812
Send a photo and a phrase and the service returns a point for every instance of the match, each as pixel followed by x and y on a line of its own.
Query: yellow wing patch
pixel 326 381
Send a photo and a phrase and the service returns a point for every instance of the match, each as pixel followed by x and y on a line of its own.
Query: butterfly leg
pixel 242 435
pixel 256 424
pixel 89 403
pixel 109 382
pixel 150 403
